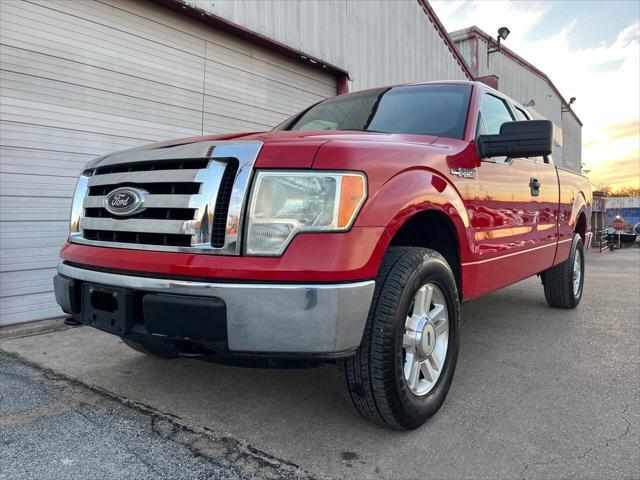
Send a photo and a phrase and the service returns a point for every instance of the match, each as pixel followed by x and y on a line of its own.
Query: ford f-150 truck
pixel 351 233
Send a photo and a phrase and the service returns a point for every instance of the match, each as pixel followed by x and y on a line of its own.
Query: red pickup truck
pixel 350 234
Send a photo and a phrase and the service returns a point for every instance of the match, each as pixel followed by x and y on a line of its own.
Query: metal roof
pixel 204 16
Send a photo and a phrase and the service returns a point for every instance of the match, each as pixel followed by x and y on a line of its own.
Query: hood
pixel 299 149
pixel 283 149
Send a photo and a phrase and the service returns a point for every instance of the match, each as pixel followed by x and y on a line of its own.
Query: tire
pixel 149 349
pixel 373 380
pixel 558 281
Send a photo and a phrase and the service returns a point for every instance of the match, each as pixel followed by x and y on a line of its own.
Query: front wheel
pixel 402 371
pixel 563 283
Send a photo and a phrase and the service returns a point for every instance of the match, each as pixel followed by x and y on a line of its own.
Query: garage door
pixel 80 79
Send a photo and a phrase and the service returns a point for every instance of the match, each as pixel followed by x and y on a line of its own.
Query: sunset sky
pixel 590 50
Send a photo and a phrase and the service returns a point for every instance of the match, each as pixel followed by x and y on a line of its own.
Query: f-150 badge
pixel 464 172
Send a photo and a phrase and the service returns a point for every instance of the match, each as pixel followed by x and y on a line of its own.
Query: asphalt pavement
pixel 52 427
pixel 538 393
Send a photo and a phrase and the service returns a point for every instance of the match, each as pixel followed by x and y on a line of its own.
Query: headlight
pixel 286 203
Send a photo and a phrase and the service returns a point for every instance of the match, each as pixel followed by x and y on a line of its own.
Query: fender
pixel 580 206
pixel 396 203
pixel 573 203
pixel 404 179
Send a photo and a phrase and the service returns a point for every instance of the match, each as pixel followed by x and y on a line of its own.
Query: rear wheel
pixel 150 349
pixel 402 371
pixel 563 283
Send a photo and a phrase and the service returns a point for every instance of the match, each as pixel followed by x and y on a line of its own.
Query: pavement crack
pixel 606 442
pixel 628 426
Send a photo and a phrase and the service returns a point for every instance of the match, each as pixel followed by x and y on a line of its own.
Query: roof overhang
pixel 190 10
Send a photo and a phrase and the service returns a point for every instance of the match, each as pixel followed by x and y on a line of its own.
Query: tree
pixel 626 192
pixel 618 192
pixel 604 188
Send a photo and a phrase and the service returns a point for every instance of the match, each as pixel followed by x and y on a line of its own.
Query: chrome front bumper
pixel 267 318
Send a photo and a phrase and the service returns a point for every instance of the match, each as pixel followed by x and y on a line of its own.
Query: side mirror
pixel 528 138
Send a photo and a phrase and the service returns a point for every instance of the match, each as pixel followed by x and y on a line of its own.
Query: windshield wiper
pixel 365 130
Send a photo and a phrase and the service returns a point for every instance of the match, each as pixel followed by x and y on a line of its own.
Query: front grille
pixel 175 212
pixel 190 204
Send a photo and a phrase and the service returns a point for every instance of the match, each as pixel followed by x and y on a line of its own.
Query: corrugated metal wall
pixel 523 86
pixel 572 142
pixel 378 42
pixel 81 79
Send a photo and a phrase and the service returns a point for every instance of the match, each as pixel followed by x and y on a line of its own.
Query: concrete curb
pixel 32 328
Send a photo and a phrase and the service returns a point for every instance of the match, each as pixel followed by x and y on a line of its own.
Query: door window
pixel 494 112
pixel 520 115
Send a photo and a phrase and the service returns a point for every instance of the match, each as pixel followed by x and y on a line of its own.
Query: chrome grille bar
pixel 178 227
pixel 157 176
pixel 155 201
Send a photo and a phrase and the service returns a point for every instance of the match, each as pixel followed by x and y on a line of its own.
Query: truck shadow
pixel 253 402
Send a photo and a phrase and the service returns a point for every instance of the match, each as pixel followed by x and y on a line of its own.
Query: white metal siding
pixel 378 42
pixel 523 85
pixel 572 142
pixel 82 78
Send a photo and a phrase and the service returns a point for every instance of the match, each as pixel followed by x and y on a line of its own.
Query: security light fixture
pixel 566 108
pixel 503 33
pixel 530 103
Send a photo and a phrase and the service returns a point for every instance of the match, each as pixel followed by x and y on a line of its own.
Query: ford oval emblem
pixel 125 201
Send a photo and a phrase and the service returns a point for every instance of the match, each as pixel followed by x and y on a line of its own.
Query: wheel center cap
pixel 428 339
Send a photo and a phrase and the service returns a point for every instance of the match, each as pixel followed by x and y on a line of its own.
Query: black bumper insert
pixel 187 317
pixel 143 315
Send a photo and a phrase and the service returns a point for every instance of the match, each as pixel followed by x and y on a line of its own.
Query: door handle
pixel 534 184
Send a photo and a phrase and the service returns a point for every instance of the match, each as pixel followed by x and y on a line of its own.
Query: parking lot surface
pixel 538 393
pixel 52 428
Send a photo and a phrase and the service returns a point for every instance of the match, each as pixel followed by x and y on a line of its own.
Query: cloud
pixel 615 131
pixel 625 174
pixel 604 96
pixel 608 101
pixel 448 8
pixel 489 15
pixel 613 158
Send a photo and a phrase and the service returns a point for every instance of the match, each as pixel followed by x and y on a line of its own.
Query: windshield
pixel 437 109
